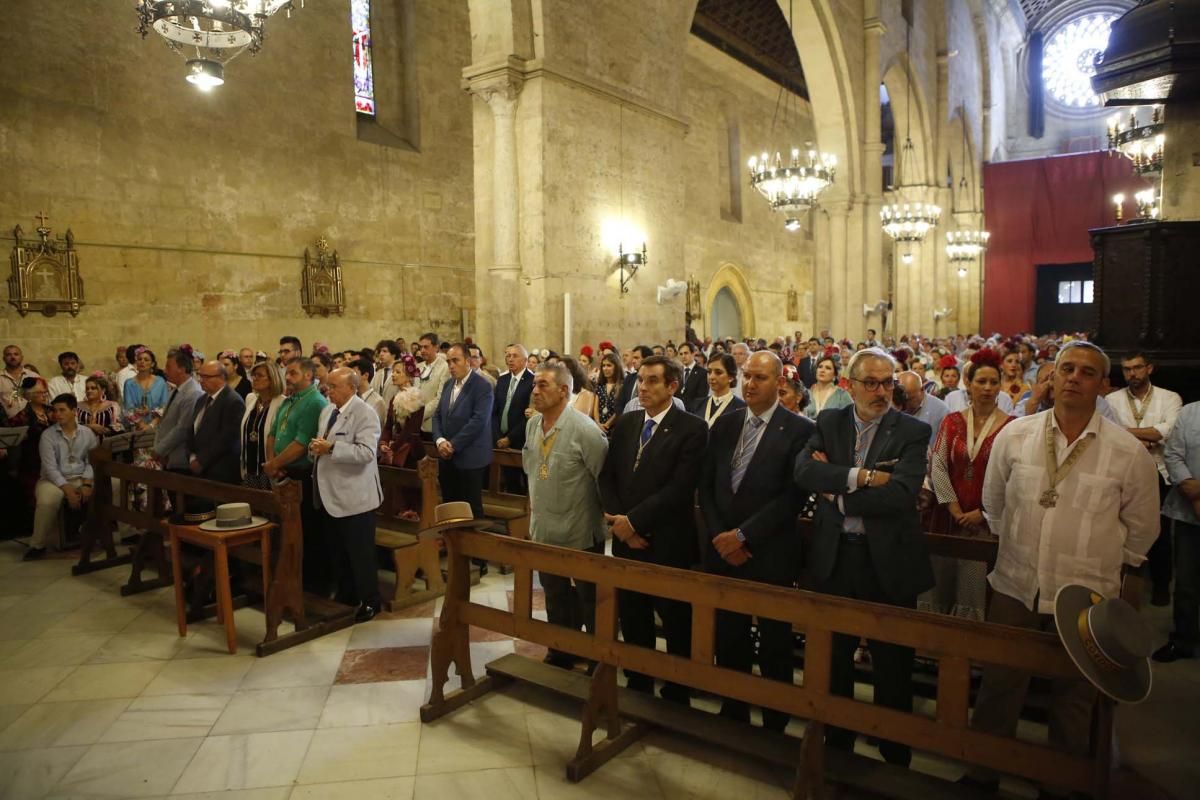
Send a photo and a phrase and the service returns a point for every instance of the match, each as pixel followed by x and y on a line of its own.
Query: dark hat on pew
pixel 232 517
pixel 195 511
pixel 1107 640
pixel 454 515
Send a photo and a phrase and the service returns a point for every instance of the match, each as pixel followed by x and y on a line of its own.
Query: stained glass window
pixel 364 78
pixel 1067 66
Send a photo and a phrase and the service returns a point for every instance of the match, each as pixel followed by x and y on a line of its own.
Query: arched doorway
pixel 726 316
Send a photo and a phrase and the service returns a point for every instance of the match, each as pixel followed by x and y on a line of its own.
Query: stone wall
pixel 191 210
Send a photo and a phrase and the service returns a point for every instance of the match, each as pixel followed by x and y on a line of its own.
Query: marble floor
pixel 100 698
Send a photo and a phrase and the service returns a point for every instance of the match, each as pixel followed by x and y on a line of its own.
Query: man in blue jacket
pixel 462 431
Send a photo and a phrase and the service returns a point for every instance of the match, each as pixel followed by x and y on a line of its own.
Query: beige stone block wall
pixel 191 211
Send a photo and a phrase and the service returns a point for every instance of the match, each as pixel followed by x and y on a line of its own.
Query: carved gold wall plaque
pixel 45 274
pixel 321 291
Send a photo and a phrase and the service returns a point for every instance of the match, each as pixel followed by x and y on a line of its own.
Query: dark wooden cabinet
pixel 1147 298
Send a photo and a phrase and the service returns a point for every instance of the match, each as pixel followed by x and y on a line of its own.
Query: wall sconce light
pixel 628 264
pixel 1118 203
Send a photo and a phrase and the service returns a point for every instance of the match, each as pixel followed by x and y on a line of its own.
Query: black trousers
pixel 892 665
pixel 570 605
pixel 1159 554
pixel 1187 583
pixel 735 650
pixel 316 569
pixel 636 613
pixel 464 485
pixel 351 542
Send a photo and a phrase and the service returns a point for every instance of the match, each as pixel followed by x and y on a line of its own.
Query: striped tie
pixel 751 432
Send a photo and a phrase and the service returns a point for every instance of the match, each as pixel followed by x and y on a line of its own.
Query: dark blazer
pixel 628 387
pixel 516 410
pixel 217 444
pixel 735 404
pixel 694 390
pixel 466 425
pixel 766 503
pixel 893 527
pixel 808 371
pixel 659 496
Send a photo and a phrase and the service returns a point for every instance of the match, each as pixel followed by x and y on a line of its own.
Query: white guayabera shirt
pixel 1106 513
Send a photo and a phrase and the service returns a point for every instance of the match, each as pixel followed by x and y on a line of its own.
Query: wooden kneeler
pixel 601 704
pixel 409 554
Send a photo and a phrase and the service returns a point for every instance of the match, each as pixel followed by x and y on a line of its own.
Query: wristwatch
pixel 741 537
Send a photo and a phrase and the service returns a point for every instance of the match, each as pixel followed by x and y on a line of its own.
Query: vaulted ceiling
pixel 756 33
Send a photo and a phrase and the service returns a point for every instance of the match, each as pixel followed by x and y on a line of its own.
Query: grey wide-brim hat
pixel 232 517
pixel 1107 640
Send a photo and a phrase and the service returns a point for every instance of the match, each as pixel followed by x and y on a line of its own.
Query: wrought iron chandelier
pixel 965 244
pixel 209 33
pixel 792 188
pixel 1141 144
pixel 908 222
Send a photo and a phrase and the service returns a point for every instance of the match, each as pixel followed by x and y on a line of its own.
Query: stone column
pixel 498 302
pixel 839 210
pixel 874 269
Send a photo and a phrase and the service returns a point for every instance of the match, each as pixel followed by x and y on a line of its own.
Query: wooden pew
pixel 955 643
pixel 399 536
pixel 283 598
pixel 98 528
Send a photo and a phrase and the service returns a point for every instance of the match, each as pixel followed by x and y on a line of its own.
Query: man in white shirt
pixel 386 354
pixel 126 372
pixel 366 388
pixel 70 381
pixel 1149 412
pixel 434 374
pixel 1072 498
pixel 13 374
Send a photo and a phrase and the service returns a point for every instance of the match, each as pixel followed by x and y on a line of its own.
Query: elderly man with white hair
pixel 741 354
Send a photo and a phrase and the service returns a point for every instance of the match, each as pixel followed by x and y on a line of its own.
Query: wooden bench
pixel 955 643
pixel 410 553
pixel 283 596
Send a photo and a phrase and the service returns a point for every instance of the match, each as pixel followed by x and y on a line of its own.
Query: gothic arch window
pixel 364 69
pixel 385 48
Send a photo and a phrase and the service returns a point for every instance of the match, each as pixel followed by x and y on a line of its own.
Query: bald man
pixel 918 403
pixel 214 438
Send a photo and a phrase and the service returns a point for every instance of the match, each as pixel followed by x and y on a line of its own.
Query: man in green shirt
pixel 563 455
pixel 295 426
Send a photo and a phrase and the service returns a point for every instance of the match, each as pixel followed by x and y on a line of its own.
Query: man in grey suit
pixel 866 462
pixel 346 488
pixel 171 437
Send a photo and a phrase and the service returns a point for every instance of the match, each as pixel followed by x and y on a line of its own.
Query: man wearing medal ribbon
pixel 563 454
pixel 1073 497
pixel 1149 412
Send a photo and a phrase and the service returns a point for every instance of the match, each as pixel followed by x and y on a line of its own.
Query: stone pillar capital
pixel 497 83
pixel 874 25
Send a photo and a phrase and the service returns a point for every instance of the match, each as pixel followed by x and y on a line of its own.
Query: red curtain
pixel 1039 212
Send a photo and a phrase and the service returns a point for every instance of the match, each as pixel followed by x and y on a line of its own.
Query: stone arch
pixel 730 276
pixel 901 88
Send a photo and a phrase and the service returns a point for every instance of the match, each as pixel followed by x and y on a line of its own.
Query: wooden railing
pixel 283 597
pixel 955 643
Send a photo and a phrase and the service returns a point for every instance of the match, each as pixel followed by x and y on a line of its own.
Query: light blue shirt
pixel 1181 455
pixel 932 412
pixel 865 436
pixel 63 459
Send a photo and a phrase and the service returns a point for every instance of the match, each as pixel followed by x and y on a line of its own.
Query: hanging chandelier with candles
pixel 1141 144
pixel 209 33
pixel 965 244
pixel 792 188
pixel 908 222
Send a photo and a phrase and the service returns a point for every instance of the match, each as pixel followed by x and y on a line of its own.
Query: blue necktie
pixel 746 447
pixel 647 431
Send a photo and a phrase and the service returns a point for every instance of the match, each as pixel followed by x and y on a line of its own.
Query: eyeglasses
pixel 872 385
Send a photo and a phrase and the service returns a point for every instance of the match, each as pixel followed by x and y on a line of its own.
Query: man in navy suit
pixel 748 512
pixel 214 435
pixel 808 362
pixel 462 432
pixel 647 487
pixel 867 462
pixel 513 391
pixel 693 387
